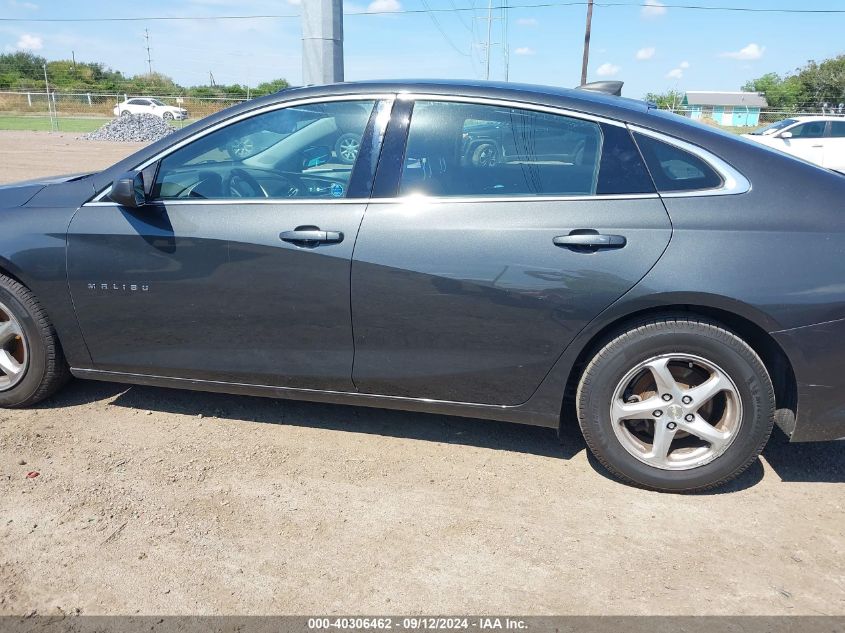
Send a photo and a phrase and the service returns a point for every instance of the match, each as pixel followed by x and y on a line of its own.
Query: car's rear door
pixel 834 153
pixel 471 276
pixel 239 269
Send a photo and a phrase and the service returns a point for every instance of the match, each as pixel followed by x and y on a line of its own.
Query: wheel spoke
pixel 659 368
pixel 707 432
pixel 8 331
pixel 9 365
pixel 662 442
pixel 704 392
pixel 635 410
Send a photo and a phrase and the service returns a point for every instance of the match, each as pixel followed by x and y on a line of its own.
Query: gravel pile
pixel 134 127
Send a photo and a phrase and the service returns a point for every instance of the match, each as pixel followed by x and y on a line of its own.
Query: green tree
pixel 780 93
pixel 268 87
pixel 811 86
pixel 666 100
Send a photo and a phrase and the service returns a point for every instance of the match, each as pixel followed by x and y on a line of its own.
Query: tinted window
pixel 138 102
pixel 622 169
pixel 299 152
pixel 674 169
pixel 457 149
pixel 837 129
pixel 814 129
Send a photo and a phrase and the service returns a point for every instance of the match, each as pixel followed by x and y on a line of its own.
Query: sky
pixel 652 48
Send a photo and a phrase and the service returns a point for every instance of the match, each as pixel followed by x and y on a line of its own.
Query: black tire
pixel 688 337
pixel 485 154
pixel 46 370
pixel 125 113
pixel 167 116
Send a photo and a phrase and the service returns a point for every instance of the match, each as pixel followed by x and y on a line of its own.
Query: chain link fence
pixel 86 111
pixel 765 117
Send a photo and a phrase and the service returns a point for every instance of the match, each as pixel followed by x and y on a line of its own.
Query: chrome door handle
pixel 309 235
pixel 589 240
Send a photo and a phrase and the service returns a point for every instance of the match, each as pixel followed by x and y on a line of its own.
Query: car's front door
pixel 238 270
pixel 470 278
pixel 806 140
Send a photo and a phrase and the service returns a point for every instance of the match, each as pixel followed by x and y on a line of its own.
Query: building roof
pixel 751 99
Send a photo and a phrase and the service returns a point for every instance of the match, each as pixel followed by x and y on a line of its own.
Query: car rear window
pixel 674 169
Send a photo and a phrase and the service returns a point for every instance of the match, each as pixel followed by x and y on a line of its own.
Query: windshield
pixel 774 127
pixel 157 102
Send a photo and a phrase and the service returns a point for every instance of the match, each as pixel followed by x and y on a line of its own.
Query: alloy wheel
pixel 676 411
pixel 14 351
pixel 348 149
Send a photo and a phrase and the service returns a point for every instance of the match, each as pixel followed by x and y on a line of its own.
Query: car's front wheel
pixel 167 116
pixel 32 365
pixel 676 404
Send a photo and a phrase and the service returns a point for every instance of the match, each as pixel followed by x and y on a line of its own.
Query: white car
pixel 818 139
pixel 146 105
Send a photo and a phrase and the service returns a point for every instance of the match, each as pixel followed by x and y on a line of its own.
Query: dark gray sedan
pixel 508 252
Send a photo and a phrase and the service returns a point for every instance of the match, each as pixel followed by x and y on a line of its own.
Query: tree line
pixel 23 71
pixel 814 86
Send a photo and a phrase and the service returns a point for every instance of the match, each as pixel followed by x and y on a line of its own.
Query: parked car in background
pixel 148 105
pixel 818 139
pixel 518 253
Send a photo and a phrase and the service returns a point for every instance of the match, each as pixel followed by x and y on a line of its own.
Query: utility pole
pixel 587 34
pixel 147 46
pixel 49 105
pixel 322 41
pixel 489 35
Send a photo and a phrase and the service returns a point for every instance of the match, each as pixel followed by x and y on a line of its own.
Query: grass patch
pixel 42 123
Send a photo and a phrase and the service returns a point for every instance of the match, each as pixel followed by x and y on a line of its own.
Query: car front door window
pixel 305 151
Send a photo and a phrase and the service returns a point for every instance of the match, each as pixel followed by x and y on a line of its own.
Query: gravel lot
pixel 162 502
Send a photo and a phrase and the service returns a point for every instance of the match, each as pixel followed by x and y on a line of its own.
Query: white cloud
pixel 684 65
pixel 384 6
pixel 675 73
pixel 607 70
pixel 749 53
pixel 646 53
pixel 524 50
pixel 527 22
pixel 295 3
pixel 653 9
pixel 27 42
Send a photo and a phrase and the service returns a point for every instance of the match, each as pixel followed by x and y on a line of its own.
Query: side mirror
pixel 315 156
pixel 786 135
pixel 128 190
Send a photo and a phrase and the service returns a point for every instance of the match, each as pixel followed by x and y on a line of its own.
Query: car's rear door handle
pixel 311 235
pixel 591 240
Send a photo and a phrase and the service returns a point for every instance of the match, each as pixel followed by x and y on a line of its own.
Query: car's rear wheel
pixel 32 365
pixel 676 404
pixel 125 113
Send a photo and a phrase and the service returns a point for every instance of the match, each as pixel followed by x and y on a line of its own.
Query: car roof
pixel 586 100
pixel 818 117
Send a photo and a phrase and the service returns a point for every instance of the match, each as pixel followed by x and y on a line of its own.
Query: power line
pixel 534 5
pixel 443 32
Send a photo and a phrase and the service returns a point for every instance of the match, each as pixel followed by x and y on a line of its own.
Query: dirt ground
pixel 154 501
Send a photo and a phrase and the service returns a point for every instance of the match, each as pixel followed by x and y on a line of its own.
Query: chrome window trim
pixel 733 182
pixel 400 200
pixel 519 105
pixel 246 115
